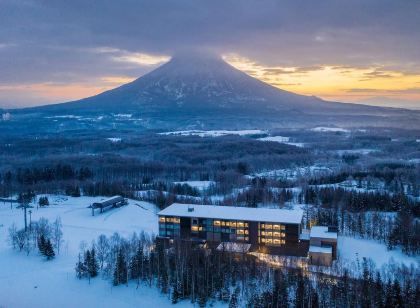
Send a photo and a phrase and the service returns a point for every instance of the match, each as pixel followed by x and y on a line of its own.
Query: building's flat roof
pixel 234 213
pixel 322 232
pixel 320 249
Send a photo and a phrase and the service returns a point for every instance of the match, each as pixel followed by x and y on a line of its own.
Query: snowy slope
pixel 354 250
pixel 30 281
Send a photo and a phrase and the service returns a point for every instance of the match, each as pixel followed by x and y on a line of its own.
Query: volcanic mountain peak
pixel 203 86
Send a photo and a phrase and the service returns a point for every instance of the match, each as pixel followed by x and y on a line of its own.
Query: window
pixel 161 219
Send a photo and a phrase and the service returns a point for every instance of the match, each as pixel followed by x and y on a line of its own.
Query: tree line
pixel 202 275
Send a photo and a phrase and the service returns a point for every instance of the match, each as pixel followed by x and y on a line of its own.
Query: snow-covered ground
pixel 30 281
pixel 354 250
pixel 294 173
pixel 357 151
pixel 114 139
pixel 214 133
pixel 200 185
pixel 281 139
pixel 330 129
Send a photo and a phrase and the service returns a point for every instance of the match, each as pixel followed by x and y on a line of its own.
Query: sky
pixel 351 51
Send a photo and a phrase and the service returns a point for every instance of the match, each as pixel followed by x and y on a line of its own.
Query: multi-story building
pixel 272 231
pixel 264 229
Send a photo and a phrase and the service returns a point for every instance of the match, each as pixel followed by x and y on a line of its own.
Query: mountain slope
pixel 195 84
pixel 202 90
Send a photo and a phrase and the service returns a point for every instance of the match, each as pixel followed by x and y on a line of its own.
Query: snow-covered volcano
pixel 192 84
pixel 199 89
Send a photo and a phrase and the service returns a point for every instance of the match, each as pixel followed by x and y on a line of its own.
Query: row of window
pixel 175 220
pixel 272 227
pixel 271 234
pixel 232 224
pixel 272 241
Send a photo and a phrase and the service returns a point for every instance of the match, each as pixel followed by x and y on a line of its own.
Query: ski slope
pixel 31 281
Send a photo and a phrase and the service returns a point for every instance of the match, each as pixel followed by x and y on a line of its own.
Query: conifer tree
pixel 42 244
pixel 120 272
pixel 93 265
pixel 49 251
pixel 80 268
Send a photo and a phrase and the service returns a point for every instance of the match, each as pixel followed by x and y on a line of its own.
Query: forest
pixel 201 275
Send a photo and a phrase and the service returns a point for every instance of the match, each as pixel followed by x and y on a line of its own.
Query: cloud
pixel 142 59
pixel 387 91
pixel 82 41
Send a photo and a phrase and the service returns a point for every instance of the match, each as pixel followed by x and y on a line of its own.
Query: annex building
pixel 271 231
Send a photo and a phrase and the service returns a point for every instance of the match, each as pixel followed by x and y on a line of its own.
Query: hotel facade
pixel 271 231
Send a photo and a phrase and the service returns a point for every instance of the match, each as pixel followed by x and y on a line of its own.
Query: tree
pixel 120 271
pixel 92 265
pixel 80 268
pixel 57 234
pixel 176 295
pixel 42 244
pixel 233 303
pixel 43 201
pixel 49 251
pixel 102 247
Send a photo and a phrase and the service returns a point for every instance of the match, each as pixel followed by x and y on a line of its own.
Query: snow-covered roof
pixel 108 201
pixel 322 232
pixel 234 213
pixel 320 249
pixel 305 235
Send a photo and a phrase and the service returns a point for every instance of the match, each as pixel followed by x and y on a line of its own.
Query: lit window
pixel 269 226
pixel 217 222
pixel 194 228
pixel 161 219
pixel 276 234
pixel 276 227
